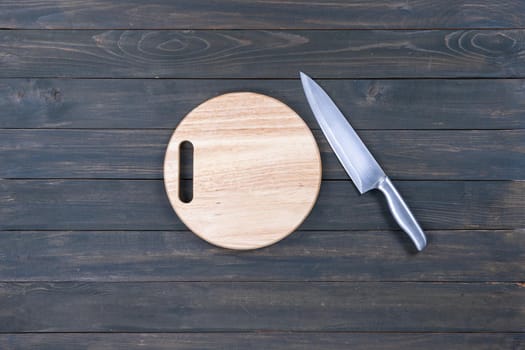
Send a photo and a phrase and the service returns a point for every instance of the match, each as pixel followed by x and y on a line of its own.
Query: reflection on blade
pixel 351 151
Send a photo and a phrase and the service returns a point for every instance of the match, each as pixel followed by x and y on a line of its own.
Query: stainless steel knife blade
pixel 356 159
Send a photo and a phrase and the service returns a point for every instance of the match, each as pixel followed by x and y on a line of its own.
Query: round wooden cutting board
pixel 256 170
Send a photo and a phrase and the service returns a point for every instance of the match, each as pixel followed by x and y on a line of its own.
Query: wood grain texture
pixel 139 256
pixel 348 278
pixel 262 341
pixel 262 54
pixel 256 170
pixel 403 154
pixel 286 306
pixel 265 14
pixel 142 205
pixel 369 104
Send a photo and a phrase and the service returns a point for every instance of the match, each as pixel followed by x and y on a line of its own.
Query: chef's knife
pixel 356 158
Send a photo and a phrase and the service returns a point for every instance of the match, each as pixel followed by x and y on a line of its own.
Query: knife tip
pixel 303 76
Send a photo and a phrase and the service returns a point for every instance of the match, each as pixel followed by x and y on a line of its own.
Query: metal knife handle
pixel 402 214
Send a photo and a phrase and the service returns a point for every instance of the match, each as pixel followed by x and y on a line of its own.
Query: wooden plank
pixel 262 54
pixel 247 306
pixel 406 155
pixel 263 341
pixel 369 104
pixel 265 14
pixel 304 256
pixel 142 205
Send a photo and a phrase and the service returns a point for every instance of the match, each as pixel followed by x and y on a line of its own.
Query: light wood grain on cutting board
pixel 256 170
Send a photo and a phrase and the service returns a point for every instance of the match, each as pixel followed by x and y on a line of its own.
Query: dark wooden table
pixel 93 257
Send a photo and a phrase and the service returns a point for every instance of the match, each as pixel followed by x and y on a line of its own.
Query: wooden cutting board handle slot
pixel 186 171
